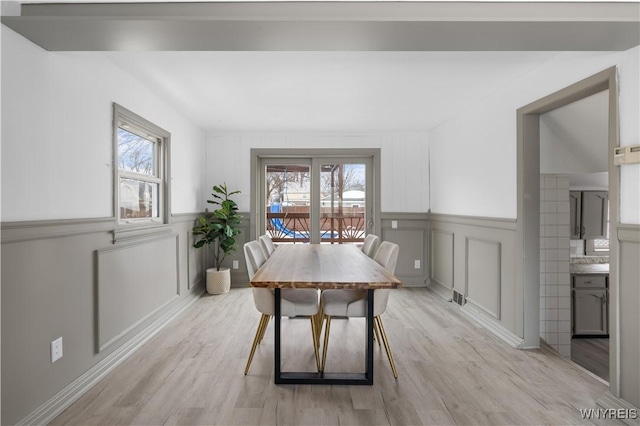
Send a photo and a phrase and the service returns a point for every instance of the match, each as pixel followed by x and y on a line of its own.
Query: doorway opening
pixel 529 206
pixel 574 238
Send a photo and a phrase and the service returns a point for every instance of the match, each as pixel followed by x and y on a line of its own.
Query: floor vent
pixel 458 298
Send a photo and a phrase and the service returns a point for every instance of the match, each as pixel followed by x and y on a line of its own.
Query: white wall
pixel 575 137
pixel 630 134
pixel 473 156
pixel 56 134
pixel 404 162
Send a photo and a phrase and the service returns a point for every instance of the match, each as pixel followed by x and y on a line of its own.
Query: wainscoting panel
pixel 67 278
pixel 240 276
pixel 483 275
pixel 629 294
pixel 134 281
pixel 193 275
pixel 476 256
pixel 410 233
pixel 442 246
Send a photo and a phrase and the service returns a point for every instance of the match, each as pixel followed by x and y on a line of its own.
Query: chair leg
pixel 376 336
pixel 316 348
pixel 385 341
pixel 264 328
pixel 319 321
pixel 264 320
pixel 326 341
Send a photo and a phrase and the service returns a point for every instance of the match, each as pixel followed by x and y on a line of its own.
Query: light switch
pixel 394 224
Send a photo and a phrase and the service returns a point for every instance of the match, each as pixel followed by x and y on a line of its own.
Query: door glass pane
pixel 342 203
pixel 288 202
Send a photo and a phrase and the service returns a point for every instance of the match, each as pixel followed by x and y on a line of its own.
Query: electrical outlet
pixel 235 264
pixel 56 349
pixel 394 224
pixel 416 263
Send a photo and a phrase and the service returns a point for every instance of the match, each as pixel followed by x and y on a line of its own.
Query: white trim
pixel 440 289
pixel 610 401
pixel 67 396
pixel 494 327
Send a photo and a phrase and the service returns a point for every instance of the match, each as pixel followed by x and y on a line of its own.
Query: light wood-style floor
pixel 450 372
pixel 592 354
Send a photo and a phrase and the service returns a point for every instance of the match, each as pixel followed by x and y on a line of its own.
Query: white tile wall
pixel 576 247
pixel 555 284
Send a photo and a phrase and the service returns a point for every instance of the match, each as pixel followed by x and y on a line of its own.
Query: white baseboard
pixel 441 290
pixel 67 396
pixel 479 316
pixel 609 401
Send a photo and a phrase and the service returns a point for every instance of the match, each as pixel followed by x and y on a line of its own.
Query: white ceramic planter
pixel 218 282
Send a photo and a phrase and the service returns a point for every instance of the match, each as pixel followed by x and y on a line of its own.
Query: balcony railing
pixel 294 227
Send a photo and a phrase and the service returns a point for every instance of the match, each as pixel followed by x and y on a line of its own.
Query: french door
pixel 316 199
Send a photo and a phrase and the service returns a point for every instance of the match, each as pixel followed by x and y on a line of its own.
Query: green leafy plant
pixel 218 229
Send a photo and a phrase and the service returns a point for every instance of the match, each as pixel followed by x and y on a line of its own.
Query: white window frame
pixel 133 123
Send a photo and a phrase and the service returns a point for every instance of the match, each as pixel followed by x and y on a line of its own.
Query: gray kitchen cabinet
pixel 590 305
pixel 575 204
pixel 589 212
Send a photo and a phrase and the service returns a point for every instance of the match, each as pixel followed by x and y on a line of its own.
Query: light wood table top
pixel 322 266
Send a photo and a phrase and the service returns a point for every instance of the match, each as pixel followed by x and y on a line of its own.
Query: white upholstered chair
pixel 370 245
pixel 353 303
pixel 267 244
pixel 294 302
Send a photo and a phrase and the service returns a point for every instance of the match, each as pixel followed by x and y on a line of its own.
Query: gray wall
pixel 412 235
pixel 629 300
pixel 69 279
pixel 476 257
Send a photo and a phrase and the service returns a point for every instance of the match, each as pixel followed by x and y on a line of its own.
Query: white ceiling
pixel 324 91
pixel 327 66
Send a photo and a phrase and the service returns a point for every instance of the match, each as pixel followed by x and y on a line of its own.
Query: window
pixel 141 172
pixel 599 247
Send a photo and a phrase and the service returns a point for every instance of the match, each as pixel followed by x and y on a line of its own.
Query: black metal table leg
pixel 277 317
pixel 297 378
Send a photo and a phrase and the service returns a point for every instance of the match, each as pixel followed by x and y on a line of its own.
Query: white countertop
pixel 589 268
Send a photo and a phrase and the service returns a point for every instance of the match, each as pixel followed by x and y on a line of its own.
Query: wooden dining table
pixel 323 267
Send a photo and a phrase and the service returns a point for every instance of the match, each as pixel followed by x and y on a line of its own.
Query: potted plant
pixel 218 230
